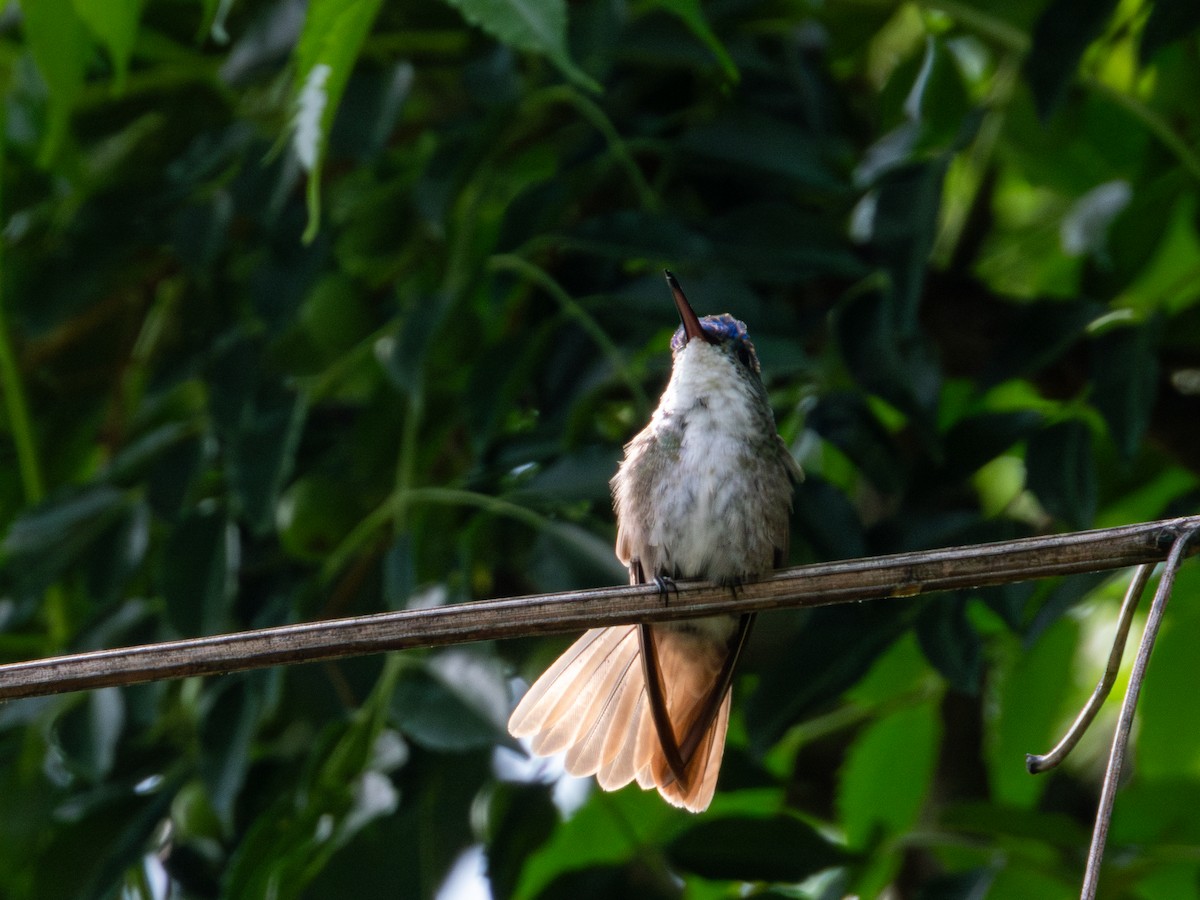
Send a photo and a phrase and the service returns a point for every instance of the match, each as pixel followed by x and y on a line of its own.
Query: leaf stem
pixel 402 498
pixel 507 262
pixel 600 121
pixel 10 380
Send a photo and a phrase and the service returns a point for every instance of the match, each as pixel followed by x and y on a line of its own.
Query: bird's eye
pixel 743 353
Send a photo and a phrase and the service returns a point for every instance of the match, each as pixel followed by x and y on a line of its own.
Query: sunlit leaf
pixel 1029 687
pixel 533 26
pixel 872 794
pixel 115 25
pixel 58 41
pixel 325 55
pixel 1168 744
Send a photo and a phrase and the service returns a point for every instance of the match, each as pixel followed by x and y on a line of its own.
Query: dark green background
pixel 278 346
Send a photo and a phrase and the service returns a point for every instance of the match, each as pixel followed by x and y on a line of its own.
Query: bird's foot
pixel 734 584
pixel 666 584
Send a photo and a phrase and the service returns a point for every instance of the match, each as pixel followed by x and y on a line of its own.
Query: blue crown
pixel 726 329
pixel 723 327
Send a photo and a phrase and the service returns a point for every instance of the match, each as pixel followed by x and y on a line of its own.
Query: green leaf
pixel 89 732
pixel 1141 244
pixel 780 242
pixel 1168 742
pixel 1160 807
pixel 313 515
pixel 1029 687
pixel 976 440
pixel 905 206
pixel 403 356
pixel 1125 381
pixel 888 356
pixel 115 25
pixel 521 817
pixel 226 739
pixel 565 554
pixel 630 234
pixel 768 144
pixel 46 540
pixel 531 26
pixel 105 833
pixel 833 649
pixel 200 581
pixel 458 702
pixel 334 31
pixel 606 831
pixel 260 420
pixel 844 419
pixel 692 14
pixel 872 798
pixel 950 641
pixel 744 848
pixel 116 555
pixel 58 41
pixel 1061 34
pixel 828 520
pixel 1061 472
pixel 1058 829
pixel 1039 333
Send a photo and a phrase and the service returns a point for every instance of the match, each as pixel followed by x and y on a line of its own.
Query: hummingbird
pixel 704 492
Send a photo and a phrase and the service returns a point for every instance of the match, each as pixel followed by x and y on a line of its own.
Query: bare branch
pixel 1038 764
pixel 1116 756
pixel 900 575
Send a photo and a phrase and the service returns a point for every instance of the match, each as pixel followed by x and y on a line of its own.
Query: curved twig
pixel 1116 758
pixel 1044 763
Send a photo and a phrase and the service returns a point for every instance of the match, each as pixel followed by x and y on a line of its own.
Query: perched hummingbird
pixel 704 491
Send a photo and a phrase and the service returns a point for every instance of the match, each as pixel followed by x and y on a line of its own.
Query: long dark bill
pixel 691 322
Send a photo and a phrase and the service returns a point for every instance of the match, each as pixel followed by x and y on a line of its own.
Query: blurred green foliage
pixel 326 309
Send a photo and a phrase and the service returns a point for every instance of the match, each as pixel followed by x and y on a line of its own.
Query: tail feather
pixel 623 767
pixel 608 714
pixel 566 706
pixel 592 703
pixel 702 771
pixel 691 665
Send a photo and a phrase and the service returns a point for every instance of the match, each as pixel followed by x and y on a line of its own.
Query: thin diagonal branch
pixel 900 575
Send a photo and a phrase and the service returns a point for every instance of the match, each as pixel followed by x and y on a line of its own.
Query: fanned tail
pixel 593 704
